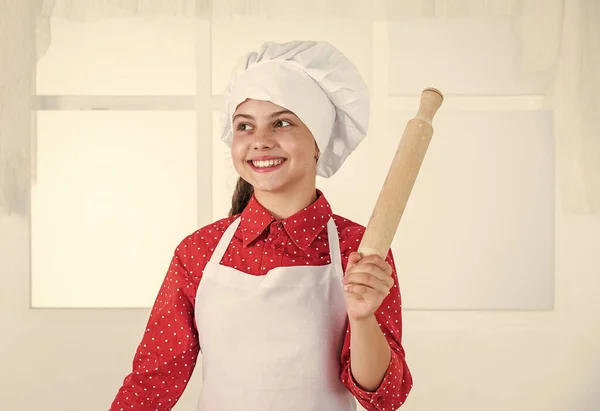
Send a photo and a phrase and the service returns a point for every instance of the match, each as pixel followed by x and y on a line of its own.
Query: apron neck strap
pixel 334 243
pixel 220 249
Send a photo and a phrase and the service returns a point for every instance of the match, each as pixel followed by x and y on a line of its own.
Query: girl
pixel 285 312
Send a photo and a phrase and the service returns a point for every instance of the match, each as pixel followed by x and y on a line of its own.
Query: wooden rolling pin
pixel 401 177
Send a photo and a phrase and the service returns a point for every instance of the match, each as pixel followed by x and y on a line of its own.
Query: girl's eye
pixel 243 127
pixel 282 123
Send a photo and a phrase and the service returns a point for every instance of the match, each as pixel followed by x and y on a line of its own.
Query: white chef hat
pixel 316 82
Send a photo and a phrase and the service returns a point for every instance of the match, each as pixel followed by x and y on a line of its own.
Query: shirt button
pixel 380 398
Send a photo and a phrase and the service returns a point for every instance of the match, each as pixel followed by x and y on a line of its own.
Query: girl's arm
pixel 373 348
pixel 167 353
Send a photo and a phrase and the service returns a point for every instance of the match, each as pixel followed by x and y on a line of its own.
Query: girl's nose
pixel 262 140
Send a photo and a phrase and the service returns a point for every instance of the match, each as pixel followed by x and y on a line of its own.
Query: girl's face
pixel 272 149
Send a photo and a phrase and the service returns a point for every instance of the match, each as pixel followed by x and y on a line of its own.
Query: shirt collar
pixel 302 227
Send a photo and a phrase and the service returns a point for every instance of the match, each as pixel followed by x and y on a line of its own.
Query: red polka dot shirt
pixel 167 354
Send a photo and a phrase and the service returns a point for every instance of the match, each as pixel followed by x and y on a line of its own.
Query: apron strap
pixel 334 243
pixel 224 242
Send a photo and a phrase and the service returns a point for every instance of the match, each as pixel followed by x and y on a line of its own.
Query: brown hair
pixel 241 196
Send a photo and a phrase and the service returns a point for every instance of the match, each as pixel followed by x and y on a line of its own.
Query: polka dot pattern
pixel 166 356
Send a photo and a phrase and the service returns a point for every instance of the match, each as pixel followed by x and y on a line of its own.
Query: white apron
pixel 272 342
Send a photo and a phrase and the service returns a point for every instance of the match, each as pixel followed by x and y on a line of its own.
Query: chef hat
pixel 316 82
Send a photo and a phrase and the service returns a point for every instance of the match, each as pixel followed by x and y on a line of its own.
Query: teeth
pixel 267 163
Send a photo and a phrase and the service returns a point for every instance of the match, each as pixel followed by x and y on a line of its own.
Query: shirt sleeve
pixel 167 354
pixel 397 382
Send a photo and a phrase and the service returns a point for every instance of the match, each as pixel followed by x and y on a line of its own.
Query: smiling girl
pixel 283 311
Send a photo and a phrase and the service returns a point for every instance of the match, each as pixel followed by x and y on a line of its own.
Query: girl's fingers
pixel 363 281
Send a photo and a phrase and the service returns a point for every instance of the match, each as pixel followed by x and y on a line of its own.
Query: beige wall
pixel 74 360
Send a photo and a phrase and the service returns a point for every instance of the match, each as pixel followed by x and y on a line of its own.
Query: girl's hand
pixel 367 282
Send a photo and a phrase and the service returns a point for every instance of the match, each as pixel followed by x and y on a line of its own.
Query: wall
pixel 71 360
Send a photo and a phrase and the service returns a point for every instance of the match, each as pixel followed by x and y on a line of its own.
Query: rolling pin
pixel 401 177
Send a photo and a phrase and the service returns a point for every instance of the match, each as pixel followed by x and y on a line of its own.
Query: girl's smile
pixel 266 164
